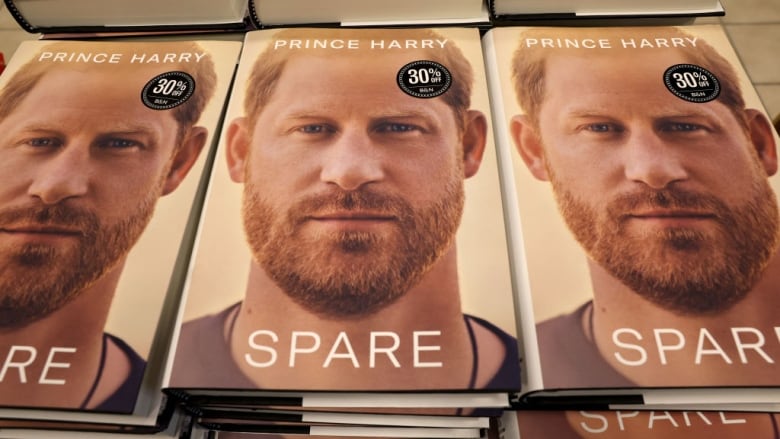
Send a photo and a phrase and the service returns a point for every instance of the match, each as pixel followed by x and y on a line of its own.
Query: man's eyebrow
pixel 693 113
pixel 132 127
pixel 404 114
pixel 128 132
pixel 35 125
pixel 118 127
pixel 588 113
pixel 384 113
pixel 147 133
pixel 658 113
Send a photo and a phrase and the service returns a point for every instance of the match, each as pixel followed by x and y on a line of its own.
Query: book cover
pixel 563 424
pixel 353 235
pixel 104 148
pixel 642 168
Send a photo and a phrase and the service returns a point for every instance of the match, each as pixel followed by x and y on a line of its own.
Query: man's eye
pixel 681 126
pixel 603 128
pixel 45 142
pixel 397 128
pixel 315 129
pixel 118 143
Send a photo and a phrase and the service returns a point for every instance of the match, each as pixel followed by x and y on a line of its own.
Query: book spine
pixel 530 372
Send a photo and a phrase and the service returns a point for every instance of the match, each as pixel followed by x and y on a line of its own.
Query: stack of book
pixel 352 252
pixel 148 16
pixel 106 151
pixel 638 168
pixel 537 231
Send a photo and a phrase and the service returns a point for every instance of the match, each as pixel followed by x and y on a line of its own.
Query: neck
pixel 54 361
pixel 653 346
pixel 419 341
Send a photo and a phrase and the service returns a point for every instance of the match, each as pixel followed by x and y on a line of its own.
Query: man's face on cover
pixel 669 196
pixel 82 162
pixel 353 189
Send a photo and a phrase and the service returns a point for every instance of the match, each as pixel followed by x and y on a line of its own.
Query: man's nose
pixel 352 160
pixel 63 174
pixel 651 161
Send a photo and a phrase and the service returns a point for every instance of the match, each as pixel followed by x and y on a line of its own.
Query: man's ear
pixel 186 155
pixel 529 145
pixel 474 139
pixel 237 148
pixel 763 140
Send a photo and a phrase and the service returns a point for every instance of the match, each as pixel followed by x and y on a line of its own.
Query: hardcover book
pixel 244 431
pixel 353 247
pixel 45 16
pixel 563 424
pixel 113 16
pixel 640 170
pixel 503 10
pixel 104 149
pixel 248 428
pixel 177 425
pixel 369 13
pixel 331 417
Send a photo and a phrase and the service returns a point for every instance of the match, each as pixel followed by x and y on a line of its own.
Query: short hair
pixel 268 67
pixel 186 114
pixel 528 63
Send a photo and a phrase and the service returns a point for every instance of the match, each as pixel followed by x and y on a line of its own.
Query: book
pixel 571 424
pixel 246 431
pixel 146 16
pixel 246 426
pixel 176 423
pixel 101 197
pixel 63 17
pixel 508 10
pixel 370 13
pixel 330 417
pixel 324 324
pixel 632 290
pixel 46 16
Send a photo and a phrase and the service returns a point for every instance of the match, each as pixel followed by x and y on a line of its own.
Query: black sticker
pixel 692 83
pixel 168 90
pixel 424 79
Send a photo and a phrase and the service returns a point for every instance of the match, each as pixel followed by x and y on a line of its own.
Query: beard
pixel 351 274
pixel 38 279
pixel 686 270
